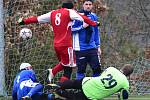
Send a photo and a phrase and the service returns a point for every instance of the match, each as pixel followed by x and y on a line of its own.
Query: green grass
pixel 143 97
pixel 5 98
pixel 135 97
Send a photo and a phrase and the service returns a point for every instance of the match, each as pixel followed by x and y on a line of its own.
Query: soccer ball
pixel 25 33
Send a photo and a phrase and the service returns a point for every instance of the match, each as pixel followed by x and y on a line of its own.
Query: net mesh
pixel 140 79
pixel 125 38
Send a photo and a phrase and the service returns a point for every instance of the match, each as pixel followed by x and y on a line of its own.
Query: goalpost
pixel 2 72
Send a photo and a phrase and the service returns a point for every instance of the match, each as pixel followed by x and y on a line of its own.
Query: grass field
pixel 143 97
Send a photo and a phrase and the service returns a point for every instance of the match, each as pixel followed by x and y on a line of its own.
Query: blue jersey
pixel 80 35
pixel 21 77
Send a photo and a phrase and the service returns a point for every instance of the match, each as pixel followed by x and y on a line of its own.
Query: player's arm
pixel 34 19
pixel 33 76
pixel 76 16
pixel 97 33
pixel 123 95
pixel 76 26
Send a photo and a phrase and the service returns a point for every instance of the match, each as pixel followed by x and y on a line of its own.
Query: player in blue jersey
pixel 86 42
pixel 27 87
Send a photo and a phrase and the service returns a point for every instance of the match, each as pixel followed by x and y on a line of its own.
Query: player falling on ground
pixel 27 87
pixel 111 81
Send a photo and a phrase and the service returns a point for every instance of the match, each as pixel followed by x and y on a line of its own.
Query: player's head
pixel 25 66
pixel 127 69
pixel 87 5
pixel 68 4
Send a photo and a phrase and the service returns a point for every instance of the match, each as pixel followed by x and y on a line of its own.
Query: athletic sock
pixel 57 69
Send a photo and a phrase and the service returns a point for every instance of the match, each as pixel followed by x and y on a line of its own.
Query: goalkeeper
pixel 26 85
pixel 111 81
pixel 60 20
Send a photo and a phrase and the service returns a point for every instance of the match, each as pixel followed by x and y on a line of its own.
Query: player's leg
pixel 68 84
pixel 52 72
pixel 36 93
pixel 22 92
pixel 67 60
pixel 59 67
pixel 94 62
pixel 81 64
pixel 67 74
pixel 24 88
pixel 71 84
pixel 33 89
pixel 71 95
pixel 37 88
pixel 43 96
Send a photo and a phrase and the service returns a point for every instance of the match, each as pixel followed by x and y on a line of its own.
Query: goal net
pixel 38 51
pixel 140 79
pixel 124 38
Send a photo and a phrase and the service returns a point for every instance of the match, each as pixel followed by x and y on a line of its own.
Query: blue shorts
pixel 25 87
pixel 85 57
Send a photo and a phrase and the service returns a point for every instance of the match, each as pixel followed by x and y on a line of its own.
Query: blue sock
pixel 36 89
pixel 50 96
pixel 95 74
pixel 80 76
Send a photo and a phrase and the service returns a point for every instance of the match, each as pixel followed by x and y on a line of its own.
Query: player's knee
pixel 40 86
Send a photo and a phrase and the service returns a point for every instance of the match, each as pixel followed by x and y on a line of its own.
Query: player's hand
pixel 20 21
pixel 98 23
pixel 99 51
pixel 85 25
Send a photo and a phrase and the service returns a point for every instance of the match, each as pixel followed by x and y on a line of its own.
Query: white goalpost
pixel 2 71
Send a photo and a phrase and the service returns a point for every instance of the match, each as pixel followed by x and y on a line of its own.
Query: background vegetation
pixel 125 38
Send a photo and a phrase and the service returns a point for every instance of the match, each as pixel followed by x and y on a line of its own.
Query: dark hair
pixel 127 69
pixel 68 5
pixel 88 0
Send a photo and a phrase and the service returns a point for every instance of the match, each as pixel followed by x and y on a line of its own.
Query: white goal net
pixel 125 30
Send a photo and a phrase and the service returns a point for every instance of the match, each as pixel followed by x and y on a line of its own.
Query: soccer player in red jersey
pixel 60 20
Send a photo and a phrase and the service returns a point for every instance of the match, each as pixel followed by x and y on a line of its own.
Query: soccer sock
pixel 80 76
pixel 96 71
pixel 96 74
pixel 57 69
pixel 34 90
pixel 51 96
pixel 63 78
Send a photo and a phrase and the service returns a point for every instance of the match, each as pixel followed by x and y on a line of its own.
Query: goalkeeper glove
pixel 20 21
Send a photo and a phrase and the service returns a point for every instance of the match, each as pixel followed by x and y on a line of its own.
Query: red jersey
pixel 60 20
